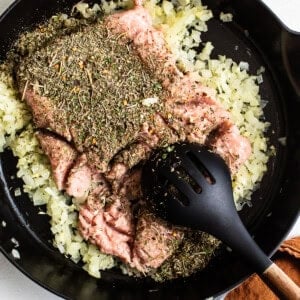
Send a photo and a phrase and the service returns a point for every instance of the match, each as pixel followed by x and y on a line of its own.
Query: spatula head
pixel 188 185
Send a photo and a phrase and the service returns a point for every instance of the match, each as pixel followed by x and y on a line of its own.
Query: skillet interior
pixel 277 193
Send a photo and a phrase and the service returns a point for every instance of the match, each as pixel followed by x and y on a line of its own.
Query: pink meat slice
pixel 155 240
pixel 84 180
pixel 44 114
pixel 137 26
pixel 144 246
pixel 131 186
pixel 110 228
pixel 119 216
pixel 197 120
pixel 79 179
pixel 151 136
pixel 61 156
pixel 230 145
pixel 154 243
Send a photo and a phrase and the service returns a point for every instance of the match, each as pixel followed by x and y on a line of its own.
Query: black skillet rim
pixel 287 226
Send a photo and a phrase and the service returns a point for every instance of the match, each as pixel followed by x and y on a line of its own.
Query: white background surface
pixel 16 286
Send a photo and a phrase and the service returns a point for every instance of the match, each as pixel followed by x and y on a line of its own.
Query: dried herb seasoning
pixel 97 83
pixel 193 254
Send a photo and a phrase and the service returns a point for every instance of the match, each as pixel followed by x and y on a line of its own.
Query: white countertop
pixel 15 286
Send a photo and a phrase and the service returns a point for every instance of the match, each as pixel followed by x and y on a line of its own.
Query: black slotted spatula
pixel 189 185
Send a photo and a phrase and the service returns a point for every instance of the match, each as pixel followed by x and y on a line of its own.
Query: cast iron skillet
pixel 260 40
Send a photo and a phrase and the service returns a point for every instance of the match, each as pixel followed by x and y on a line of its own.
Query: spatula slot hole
pixel 172 191
pixel 201 167
pixel 183 175
pixel 162 181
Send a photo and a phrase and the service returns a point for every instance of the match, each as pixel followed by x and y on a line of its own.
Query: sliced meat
pixel 84 180
pixel 186 94
pixel 61 156
pixel 151 136
pixel 44 114
pixel 189 109
pixel 93 95
pixel 119 216
pixel 154 242
pixel 131 186
pixel 196 119
pixel 229 144
pixel 111 229
pixel 136 25
pixel 79 180
pixel 108 228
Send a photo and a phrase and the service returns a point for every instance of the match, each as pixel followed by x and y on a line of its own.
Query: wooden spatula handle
pixel 280 283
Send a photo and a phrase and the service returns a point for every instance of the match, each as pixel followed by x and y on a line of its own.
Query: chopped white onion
pixel 15 253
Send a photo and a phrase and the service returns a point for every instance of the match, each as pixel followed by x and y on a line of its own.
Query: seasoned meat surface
pixel 109 228
pixel 61 155
pixel 83 95
pixel 155 241
pixel 93 95
pixel 111 93
pixel 44 115
pixel 79 180
pixel 185 94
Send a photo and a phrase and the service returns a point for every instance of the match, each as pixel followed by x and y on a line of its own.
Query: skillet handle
pixel 280 283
